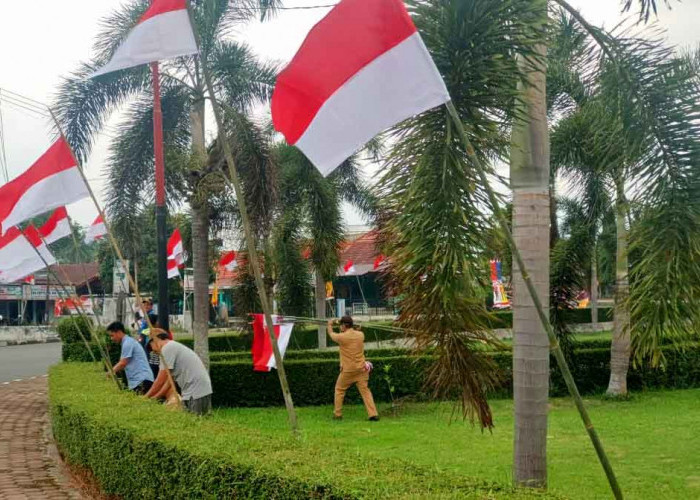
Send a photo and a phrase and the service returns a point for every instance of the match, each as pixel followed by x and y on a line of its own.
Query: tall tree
pixel 83 107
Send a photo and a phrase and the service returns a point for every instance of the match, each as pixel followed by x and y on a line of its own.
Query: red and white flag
pixel 175 249
pixel 363 68
pixel 52 181
pixel 57 227
pixel 14 248
pixel 163 32
pixel 173 269
pixel 30 280
pixel 96 230
pixel 32 234
pixel 263 355
pixel 349 268
pixel 378 261
pixel 228 260
pixel 19 257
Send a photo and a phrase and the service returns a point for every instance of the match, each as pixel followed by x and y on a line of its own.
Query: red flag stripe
pixel 333 53
pixel 33 236
pixel 161 7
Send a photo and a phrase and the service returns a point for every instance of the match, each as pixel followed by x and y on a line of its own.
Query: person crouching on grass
pixel 187 370
pixel 132 360
pixel 353 367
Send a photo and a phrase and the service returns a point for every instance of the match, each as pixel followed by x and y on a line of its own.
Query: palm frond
pixel 646 7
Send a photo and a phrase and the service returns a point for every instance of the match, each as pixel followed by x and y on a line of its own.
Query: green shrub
pixel 312 380
pixel 70 329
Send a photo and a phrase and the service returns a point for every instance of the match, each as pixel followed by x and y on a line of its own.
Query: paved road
pixel 26 361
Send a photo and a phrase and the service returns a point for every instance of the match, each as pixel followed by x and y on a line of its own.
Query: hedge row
pixel 312 380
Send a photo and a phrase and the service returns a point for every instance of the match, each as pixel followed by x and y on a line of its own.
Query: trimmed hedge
pixel 139 449
pixel 312 380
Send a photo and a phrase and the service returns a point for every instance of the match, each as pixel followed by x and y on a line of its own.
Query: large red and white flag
pixel 263 355
pixel 96 230
pixel 228 260
pixel 19 257
pixel 361 69
pixel 163 32
pixel 52 181
pixel 175 249
pixel 56 227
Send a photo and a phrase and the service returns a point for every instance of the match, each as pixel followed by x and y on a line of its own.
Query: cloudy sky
pixel 44 40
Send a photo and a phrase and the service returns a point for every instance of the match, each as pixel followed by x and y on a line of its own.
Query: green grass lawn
pixel 653 442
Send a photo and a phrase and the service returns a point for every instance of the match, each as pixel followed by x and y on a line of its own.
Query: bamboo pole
pixel 250 241
pixel 110 235
pixel 248 231
pixel 554 343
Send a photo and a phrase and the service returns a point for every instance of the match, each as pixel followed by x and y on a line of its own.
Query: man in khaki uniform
pixel 352 367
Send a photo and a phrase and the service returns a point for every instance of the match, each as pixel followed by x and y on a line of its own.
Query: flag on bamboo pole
pixel 56 227
pixel 52 181
pixel 163 32
pixel 378 262
pixel 228 260
pixel 14 248
pixel 96 230
pixel 362 69
pixel 263 355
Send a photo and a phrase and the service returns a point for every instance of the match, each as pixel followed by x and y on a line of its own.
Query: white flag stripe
pixel 400 83
pixel 12 254
pixel 282 342
pixel 31 264
pixel 95 232
pixel 61 231
pixel 161 37
pixel 51 192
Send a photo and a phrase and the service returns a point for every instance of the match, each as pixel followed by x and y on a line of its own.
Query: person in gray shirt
pixel 188 372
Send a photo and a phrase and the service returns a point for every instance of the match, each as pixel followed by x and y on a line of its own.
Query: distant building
pixel 33 303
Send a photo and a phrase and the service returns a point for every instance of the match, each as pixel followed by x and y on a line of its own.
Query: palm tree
pixel 83 107
pixel 635 132
pixel 311 205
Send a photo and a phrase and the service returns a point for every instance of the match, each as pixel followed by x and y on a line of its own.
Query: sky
pixel 42 41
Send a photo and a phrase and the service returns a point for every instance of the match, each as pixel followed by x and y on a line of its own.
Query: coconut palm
pixel 83 107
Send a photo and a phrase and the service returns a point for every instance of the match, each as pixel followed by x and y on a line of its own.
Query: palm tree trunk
pixel 321 308
pixel 594 289
pixel 621 347
pixel 531 230
pixel 200 245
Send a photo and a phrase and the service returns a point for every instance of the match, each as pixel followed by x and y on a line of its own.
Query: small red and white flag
pixel 349 268
pixel 378 261
pixel 163 32
pixel 52 181
pixel 56 227
pixel 263 355
pixel 228 260
pixel 30 280
pixel 173 269
pixel 96 230
pixel 362 69
pixel 175 249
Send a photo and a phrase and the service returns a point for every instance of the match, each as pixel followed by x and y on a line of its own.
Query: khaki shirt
pixel 352 349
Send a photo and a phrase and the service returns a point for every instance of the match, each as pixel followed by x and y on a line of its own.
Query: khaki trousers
pixel 345 380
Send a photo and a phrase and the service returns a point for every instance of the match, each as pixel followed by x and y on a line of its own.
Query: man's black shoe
pixel 336 417
pixel 374 419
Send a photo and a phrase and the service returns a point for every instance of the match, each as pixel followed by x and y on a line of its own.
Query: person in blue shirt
pixel 132 360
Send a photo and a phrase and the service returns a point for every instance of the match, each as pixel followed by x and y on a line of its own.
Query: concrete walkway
pixel 28 469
